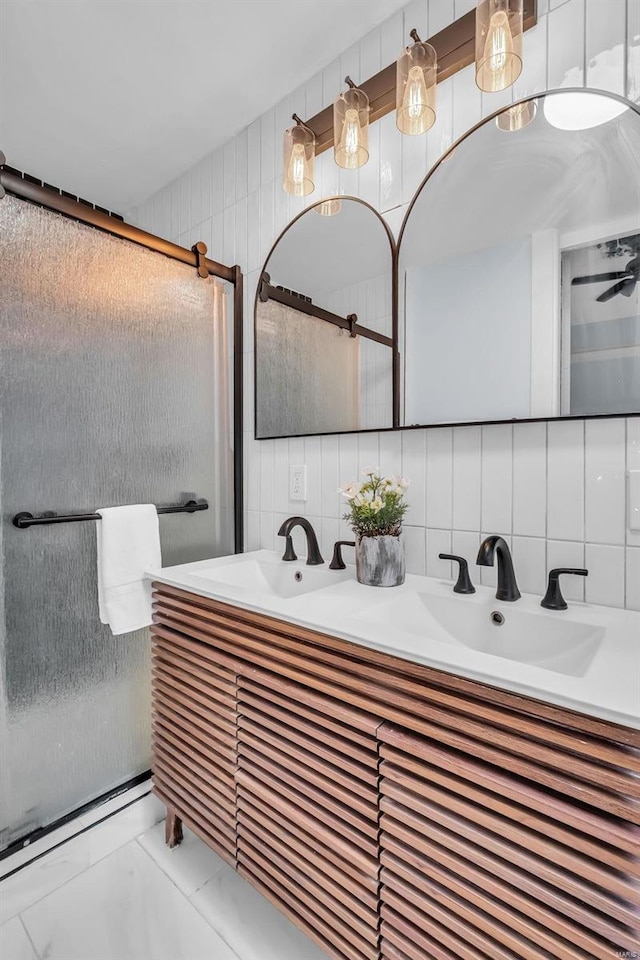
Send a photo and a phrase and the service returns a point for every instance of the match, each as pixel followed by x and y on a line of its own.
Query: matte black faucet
pixel 314 557
pixel 507 586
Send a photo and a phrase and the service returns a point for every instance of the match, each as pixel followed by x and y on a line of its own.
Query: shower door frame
pixel 28 188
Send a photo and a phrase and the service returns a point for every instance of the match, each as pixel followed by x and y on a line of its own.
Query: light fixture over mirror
pixel 498 44
pixel 330 207
pixel 408 86
pixel 299 146
pixel 416 75
pixel 351 127
pixel 517 117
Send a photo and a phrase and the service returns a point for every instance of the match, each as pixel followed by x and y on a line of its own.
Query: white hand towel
pixel 128 544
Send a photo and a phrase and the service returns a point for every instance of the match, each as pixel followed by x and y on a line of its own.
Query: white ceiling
pixel 112 99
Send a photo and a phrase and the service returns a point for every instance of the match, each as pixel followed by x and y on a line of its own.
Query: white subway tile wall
pixel 556 491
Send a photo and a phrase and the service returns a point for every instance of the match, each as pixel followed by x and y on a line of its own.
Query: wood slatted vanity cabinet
pixel 391 810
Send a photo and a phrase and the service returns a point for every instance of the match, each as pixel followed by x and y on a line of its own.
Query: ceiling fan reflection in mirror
pixel 625 280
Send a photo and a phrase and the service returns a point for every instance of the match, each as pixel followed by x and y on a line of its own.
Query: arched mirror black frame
pixel 396 248
pixel 635 108
pixel 394 319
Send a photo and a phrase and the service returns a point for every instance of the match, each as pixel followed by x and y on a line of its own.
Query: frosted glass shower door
pixel 114 390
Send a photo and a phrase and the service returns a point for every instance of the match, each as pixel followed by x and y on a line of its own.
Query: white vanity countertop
pixel 602 679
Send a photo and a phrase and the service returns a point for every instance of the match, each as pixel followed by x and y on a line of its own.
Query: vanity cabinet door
pixel 194 743
pixel 308 810
pixel 481 863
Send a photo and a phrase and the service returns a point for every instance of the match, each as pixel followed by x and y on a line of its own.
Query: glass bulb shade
pixel 581 111
pixel 498 44
pixel 517 117
pixel 416 75
pixel 329 208
pixel 299 147
pixel 351 129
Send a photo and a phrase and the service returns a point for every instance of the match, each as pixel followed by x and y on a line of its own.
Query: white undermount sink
pixel 268 577
pixel 586 657
pixel 552 641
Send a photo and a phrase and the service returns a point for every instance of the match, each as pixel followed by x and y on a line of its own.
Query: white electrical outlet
pixel 297 482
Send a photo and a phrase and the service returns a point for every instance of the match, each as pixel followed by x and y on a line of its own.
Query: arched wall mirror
pixel 518 268
pixel 517 278
pixel 324 324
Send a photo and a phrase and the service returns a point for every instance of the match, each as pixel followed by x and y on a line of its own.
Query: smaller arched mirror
pixel 324 333
pixel 519 268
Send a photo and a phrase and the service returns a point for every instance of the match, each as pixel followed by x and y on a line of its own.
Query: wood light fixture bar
pixel 305 305
pixel 455 48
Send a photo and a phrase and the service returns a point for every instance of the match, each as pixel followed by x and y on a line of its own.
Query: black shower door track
pixel 26 187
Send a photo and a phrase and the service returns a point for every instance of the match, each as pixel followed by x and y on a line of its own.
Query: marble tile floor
pixel 116 892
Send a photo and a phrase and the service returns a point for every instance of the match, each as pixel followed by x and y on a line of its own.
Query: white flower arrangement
pixel 376 505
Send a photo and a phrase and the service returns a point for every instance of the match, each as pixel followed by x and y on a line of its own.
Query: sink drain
pixel 497 618
pixel 297 576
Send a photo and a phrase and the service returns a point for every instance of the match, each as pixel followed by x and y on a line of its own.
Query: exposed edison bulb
pixel 351 128
pixel 297 165
pixel 298 156
pixel 498 44
pixel 416 76
pixel 329 208
pixel 414 101
pixel 351 131
pixel 517 117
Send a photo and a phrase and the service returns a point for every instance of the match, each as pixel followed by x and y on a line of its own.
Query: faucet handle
pixel 289 552
pixel 553 599
pixel 337 563
pixel 463 583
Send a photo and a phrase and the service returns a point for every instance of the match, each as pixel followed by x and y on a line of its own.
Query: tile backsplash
pixel 556 491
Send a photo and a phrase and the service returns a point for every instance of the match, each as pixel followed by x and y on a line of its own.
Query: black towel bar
pixel 24 520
